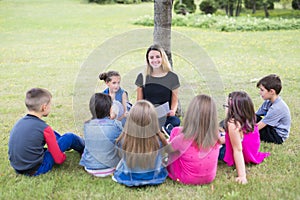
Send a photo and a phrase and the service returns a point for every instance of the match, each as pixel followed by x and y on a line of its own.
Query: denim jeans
pixel 65 142
pixel 171 122
pixel 175 121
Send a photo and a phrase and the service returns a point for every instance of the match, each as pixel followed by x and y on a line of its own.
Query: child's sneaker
pixel 165 132
pixel 167 129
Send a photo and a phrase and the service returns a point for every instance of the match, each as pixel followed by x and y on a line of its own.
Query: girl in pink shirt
pixel 195 145
pixel 242 140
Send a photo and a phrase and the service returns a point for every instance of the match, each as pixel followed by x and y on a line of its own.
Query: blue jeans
pixel 65 142
pixel 171 122
pixel 175 121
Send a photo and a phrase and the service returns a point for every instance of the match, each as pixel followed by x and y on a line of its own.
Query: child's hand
pixel 241 180
pixel 113 115
pixel 125 113
pixel 171 113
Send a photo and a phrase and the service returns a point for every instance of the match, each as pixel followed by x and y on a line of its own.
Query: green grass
pixel 46 44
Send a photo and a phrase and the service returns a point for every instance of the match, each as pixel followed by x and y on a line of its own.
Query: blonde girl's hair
pixel 166 66
pixel 36 97
pixel 200 122
pixel 141 138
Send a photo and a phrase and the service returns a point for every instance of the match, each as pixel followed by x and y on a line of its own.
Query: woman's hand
pixel 171 113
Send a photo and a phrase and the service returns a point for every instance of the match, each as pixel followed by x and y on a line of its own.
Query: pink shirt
pixel 193 165
pixel 250 145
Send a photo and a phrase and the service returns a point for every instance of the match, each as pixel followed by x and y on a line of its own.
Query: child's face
pixel 264 93
pixel 114 84
pixel 155 59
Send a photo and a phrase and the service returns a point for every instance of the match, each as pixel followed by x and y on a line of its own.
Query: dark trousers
pixel 268 133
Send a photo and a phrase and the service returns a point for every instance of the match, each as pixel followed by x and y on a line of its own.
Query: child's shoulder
pixel 231 124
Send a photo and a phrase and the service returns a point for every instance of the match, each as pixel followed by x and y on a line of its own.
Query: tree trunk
pixel 238 8
pixel 253 6
pixel 162 25
pixel 266 10
pixel 231 9
pixel 226 10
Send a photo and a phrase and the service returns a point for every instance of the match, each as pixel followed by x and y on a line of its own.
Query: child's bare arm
pixel 235 139
pixel 261 125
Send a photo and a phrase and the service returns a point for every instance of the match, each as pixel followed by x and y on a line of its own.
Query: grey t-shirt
pixel 276 115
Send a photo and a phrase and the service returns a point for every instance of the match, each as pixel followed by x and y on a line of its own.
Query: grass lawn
pixel 64 45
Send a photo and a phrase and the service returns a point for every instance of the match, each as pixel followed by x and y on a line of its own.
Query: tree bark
pixel 238 8
pixel 231 8
pixel 162 25
pixel 266 10
pixel 253 6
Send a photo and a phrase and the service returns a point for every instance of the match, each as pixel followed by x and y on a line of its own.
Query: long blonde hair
pixel 166 66
pixel 200 122
pixel 141 137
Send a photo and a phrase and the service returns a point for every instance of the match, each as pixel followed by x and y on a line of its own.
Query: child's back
pixel 242 140
pixel 27 152
pixel 26 144
pixel 195 165
pixel 250 145
pixel 140 148
pixel 100 156
pixel 196 148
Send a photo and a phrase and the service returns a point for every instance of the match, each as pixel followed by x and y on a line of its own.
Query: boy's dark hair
pixel 100 105
pixel 36 97
pixel 269 82
pixel 106 76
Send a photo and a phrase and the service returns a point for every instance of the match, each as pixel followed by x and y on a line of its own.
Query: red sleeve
pixel 58 156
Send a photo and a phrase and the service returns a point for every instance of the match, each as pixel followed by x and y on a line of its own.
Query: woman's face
pixel 155 59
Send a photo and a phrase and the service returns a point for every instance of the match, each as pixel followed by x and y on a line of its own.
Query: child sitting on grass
pixel 195 145
pixel 242 140
pixel 29 135
pixel 119 96
pixel 273 117
pixel 140 144
pixel 100 157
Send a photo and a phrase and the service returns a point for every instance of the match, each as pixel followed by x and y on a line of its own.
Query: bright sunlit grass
pixel 45 44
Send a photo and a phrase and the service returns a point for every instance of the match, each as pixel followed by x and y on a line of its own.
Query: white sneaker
pixel 165 132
